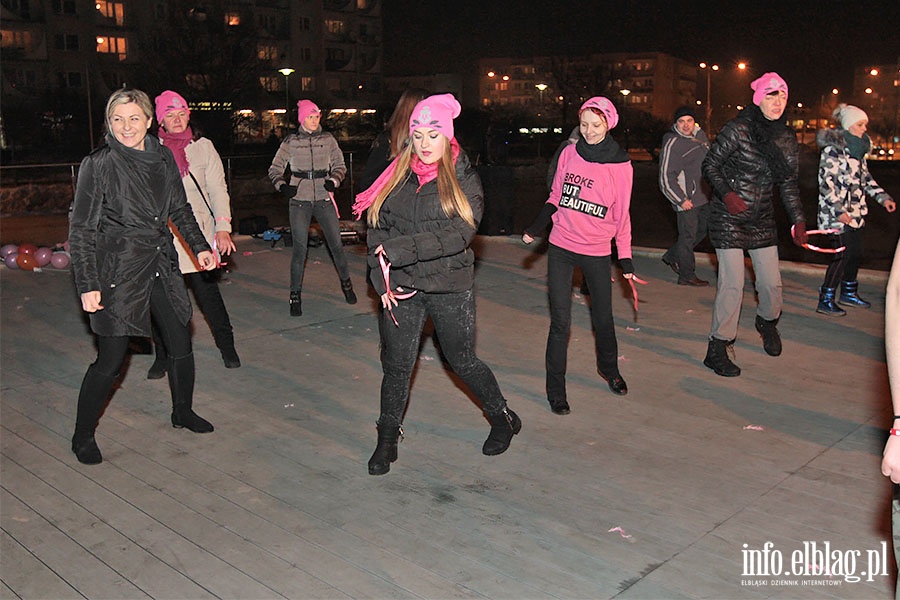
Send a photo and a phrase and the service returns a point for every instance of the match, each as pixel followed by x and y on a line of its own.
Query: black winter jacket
pixel 427 250
pixel 119 237
pixel 736 162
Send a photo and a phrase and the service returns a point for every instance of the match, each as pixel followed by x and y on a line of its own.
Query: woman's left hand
pixel 387 299
pixel 224 242
pixel 207 260
pixel 890 205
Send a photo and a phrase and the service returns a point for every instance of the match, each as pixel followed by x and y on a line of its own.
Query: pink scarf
pixel 177 142
pixel 425 173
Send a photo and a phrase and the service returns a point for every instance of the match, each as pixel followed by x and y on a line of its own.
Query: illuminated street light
pixel 709 69
pixel 286 71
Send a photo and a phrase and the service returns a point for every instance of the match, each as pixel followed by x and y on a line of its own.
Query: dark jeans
pixel 596 271
pixel 692 228
pixel 453 316
pixel 301 214
pixel 845 265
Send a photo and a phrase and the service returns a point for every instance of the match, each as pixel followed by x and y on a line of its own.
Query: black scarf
pixel 604 151
pixel 764 132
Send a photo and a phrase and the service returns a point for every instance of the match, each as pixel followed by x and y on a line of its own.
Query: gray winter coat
pixel 680 162
pixel 316 151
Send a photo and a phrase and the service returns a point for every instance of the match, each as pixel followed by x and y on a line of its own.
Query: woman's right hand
pixel 90 301
pixel 527 238
pixel 387 299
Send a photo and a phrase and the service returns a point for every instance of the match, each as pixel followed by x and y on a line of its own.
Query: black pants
pixel 205 285
pixel 300 215
pixel 101 375
pixel 596 271
pixel 845 265
pixel 453 316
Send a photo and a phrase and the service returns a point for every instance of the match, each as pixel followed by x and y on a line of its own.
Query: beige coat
pixel 206 166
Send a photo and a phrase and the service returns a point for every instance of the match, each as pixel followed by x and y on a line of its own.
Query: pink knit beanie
pixel 169 101
pixel 765 85
pixel 603 105
pixel 306 108
pixel 435 112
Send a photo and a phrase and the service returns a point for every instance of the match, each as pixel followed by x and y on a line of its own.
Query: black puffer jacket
pixel 737 162
pixel 427 250
pixel 119 234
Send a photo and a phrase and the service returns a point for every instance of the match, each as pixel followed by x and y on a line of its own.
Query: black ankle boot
pixel 504 426
pixel 87 451
pixel 296 309
pixel 771 338
pixel 386 450
pixel 230 357
pixel 717 358
pixel 181 384
pixel 347 288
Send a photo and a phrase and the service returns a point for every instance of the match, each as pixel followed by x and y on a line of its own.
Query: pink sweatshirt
pixel 592 201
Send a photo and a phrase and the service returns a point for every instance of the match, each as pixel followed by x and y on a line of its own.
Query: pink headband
pixel 435 112
pixel 765 85
pixel 169 101
pixel 306 108
pixel 603 105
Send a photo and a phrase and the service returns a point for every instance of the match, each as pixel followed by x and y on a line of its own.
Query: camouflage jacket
pixel 844 183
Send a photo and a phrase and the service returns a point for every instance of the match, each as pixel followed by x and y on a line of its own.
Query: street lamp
pixel 708 69
pixel 286 71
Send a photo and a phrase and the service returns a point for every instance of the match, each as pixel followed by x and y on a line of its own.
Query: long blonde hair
pixel 453 200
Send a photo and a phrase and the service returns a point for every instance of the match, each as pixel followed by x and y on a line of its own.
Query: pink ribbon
pixel 809 246
pixel 634 293
pixel 386 275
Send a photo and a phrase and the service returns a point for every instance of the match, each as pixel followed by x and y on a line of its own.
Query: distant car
pixel 881 153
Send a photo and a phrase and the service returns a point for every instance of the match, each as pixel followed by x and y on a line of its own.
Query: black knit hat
pixel 684 111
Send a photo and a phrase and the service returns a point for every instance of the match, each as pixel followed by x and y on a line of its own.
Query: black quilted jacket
pixel 428 251
pixel 736 162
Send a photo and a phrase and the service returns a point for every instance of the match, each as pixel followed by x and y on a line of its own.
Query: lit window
pixel 334 26
pixel 363 4
pixel 112 10
pixel 232 19
pixel 112 45
pixel 271 84
pixel 21 40
pixel 266 52
pixel 307 84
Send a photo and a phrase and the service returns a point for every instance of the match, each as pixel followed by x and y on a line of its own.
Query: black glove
pixel 627 265
pixel 288 191
pixel 329 185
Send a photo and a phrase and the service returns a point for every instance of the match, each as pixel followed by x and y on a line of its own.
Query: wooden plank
pixel 24 575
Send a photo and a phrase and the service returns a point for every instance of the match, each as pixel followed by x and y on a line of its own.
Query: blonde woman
pixel 423 213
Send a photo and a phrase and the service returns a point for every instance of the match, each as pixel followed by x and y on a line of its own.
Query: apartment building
pixel 251 59
pixel 652 82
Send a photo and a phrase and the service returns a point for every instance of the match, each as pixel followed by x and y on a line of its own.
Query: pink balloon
pixel 8 249
pixel 59 260
pixel 27 248
pixel 10 260
pixel 43 256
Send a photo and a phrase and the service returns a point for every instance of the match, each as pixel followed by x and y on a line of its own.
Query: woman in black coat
pixel 752 155
pixel 423 213
pixel 125 265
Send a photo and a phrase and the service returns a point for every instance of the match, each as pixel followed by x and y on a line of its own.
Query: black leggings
pixel 845 265
pixel 176 337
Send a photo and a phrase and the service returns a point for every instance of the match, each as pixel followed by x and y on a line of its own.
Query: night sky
pixel 813 44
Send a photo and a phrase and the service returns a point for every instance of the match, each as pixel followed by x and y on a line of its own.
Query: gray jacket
pixel 680 162
pixel 316 152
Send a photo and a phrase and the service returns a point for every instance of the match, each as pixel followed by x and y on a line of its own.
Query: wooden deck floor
pixel 653 495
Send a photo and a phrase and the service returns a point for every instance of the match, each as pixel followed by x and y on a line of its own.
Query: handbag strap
pixel 202 195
